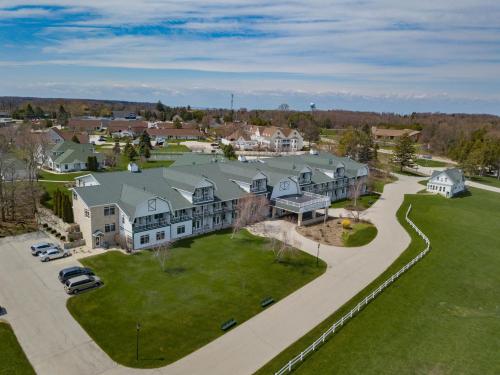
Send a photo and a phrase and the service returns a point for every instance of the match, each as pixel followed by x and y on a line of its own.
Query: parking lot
pixel 36 308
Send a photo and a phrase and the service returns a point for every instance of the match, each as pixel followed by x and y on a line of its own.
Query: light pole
pixel 137 329
pixel 317 256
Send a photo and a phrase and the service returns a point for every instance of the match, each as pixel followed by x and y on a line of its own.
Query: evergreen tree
pixel 144 143
pixel 56 202
pixel 29 113
pixel 177 123
pixel 404 152
pixel 160 107
pixel 62 116
pixel 92 164
pixel 229 152
pixel 132 154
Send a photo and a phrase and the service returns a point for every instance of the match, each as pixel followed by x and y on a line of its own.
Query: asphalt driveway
pixel 36 308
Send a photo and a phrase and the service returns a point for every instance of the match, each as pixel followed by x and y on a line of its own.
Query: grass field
pixel 13 361
pixel 442 317
pixel 208 280
pixel 430 163
pixel 171 148
pixel 364 202
pixel 491 181
pixel 362 234
pixel 45 175
pixel 50 187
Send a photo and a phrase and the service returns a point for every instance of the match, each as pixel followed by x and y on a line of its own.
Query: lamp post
pixel 137 329
pixel 317 256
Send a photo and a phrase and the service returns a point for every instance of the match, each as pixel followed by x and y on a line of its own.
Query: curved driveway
pixel 56 344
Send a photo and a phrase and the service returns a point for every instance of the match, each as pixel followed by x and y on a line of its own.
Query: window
pixel 109 227
pixel 144 239
pixel 160 236
pixel 75 197
pixel 181 229
pixel 86 213
pixel 109 210
pixel 123 219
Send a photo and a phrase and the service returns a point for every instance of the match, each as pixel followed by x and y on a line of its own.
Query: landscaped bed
pixel 208 280
pixel 340 232
pixel 441 317
pixel 13 361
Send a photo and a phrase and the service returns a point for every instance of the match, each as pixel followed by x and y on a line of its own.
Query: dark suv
pixel 68 273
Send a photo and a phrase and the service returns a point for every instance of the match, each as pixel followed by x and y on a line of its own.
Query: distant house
pixel 57 135
pixel 391 136
pixel 68 156
pixel 172 133
pixel 134 127
pixel 124 115
pixel 240 140
pixel 86 125
pixel 448 183
pixel 5 119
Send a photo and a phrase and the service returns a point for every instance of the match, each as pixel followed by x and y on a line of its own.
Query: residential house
pixel 240 140
pixel 251 137
pixel 155 206
pixel 69 156
pixel 86 125
pixel 173 133
pixel 57 135
pixel 448 183
pixel 391 136
pixel 133 127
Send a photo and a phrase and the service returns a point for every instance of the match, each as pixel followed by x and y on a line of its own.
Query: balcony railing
pixel 178 219
pixel 203 199
pixel 150 226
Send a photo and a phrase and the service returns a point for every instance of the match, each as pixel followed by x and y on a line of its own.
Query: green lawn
pixel 123 162
pixel 171 148
pixel 209 280
pixel 430 163
pixel 442 317
pixel 44 175
pixel 365 201
pixel 13 361
pixel 361 234
pixel 487 180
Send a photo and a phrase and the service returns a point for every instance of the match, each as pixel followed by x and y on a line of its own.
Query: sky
pixel 384 55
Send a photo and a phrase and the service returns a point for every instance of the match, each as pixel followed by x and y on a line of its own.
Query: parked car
pixel 41 247
pixel 70 272
pixel 53 253
pixel 80 283
pixel 102 139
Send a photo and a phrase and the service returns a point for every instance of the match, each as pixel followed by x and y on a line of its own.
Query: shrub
pixel 346 224
pixel 63 238
pixel 45 225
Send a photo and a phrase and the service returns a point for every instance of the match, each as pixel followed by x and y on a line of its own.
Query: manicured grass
pixel 44 175
pixel 361 234
pixel 13 361
pixel 442 317
pixel 172 148
pixel 208 280
pixel 123 162
pixel 364 202
pixel 430 163
pixel 379 183
pixel 487 180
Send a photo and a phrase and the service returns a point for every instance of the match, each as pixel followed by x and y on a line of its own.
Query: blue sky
pixel 385 55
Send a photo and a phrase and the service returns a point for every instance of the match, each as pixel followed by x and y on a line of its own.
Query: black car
pixel 70 272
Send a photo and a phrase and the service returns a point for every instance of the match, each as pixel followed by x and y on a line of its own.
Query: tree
pixel 75 139
pixel 29 113
pixel 145 145
pixel 62 116
pixel 92 164
pixel 177 123
pixel 160 107
pixel 404 152
pixel 356 189
pixel 283 107
pixel 162 253
pixel 132 154
pixel 249 210
pixel 228 151
pixel 348 143
pixel 116 148
pixel 67 211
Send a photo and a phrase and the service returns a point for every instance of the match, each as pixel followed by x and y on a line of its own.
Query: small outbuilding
pixel 448 182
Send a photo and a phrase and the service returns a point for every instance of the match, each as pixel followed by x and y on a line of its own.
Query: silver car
pixel 41 247
pixel 53 253
pixel 80 283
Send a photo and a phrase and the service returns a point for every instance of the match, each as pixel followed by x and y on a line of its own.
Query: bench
pixel 228 325
pixel 267 301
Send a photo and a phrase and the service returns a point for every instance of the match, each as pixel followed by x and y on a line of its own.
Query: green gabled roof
pixel 72 151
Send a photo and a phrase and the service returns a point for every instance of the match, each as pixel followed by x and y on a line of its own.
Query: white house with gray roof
pixel 154 206
pixel 448 183
pixel 69 156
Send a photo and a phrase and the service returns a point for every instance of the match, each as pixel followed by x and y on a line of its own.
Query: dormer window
pixel 305 178
pixel 203 194
pixel 259 185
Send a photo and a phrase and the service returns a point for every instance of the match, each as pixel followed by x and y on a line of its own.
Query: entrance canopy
pixel 98 233
pixel 300 203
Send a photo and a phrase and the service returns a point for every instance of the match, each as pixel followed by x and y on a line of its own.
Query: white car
pixel 53 253
pixel 39 248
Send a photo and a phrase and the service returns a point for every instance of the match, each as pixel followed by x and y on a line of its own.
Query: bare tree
pixel 355 191
pixel 250 209
pixel 161 254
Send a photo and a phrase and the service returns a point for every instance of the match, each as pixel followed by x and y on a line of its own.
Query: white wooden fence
pixel 338 324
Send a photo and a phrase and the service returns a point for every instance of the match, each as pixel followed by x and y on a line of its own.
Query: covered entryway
pixel 97 239
pixel 303 205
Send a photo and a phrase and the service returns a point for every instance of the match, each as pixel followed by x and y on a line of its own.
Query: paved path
pixel 482 186
pixel 54 342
